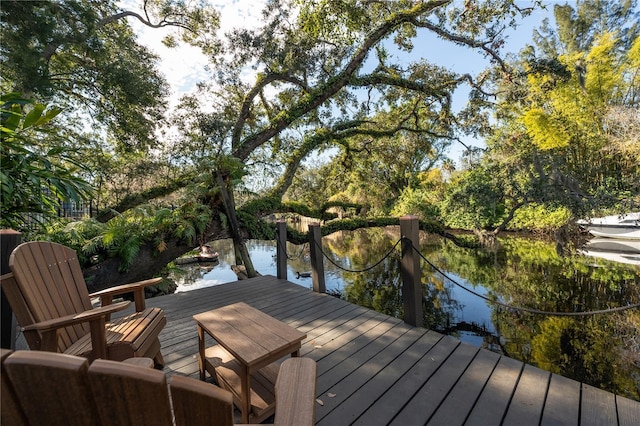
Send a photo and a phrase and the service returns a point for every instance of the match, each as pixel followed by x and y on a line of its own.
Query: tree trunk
pixel 238 241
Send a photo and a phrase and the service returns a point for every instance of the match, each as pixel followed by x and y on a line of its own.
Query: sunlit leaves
pixel 335 21
pixel 544 132
pixel 569 123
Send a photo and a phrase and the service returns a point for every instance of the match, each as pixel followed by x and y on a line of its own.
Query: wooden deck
pixel 376 370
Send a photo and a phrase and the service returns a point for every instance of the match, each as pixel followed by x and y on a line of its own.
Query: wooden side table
pixel 243 362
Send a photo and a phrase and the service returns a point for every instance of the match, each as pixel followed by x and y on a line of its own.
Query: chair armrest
pixel 96 319
pixel 73 319
pixel 296 392
pixel 137 288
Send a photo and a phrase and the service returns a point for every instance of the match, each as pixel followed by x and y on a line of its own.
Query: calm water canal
pixel 602 350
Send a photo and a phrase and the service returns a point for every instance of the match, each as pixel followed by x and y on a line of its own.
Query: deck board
pixel 425 402
pixel 562 406
pixel 494 400
pixel 376 370
pixel 462 397
pixel 398 395
pixel 598 407
pixel 528 400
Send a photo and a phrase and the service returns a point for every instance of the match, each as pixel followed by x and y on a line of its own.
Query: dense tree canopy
pixel 317 89
pixel 83 58
pixel 84 61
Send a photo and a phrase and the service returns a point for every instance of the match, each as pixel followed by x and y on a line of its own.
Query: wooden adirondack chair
pixel 48 294
pixel 58 389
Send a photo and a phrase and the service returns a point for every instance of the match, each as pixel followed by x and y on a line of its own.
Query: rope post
pixel 410 266
pixel 281 250
pixel 317 265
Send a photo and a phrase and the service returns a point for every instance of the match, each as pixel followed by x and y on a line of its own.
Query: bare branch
pixel 483 45
pixel 161 24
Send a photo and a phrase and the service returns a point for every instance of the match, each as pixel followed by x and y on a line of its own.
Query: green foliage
pixel 578 348
pixel 262 205
pixel 416 202
pixel 559 136
pixel 353 224
pixel 474 200
pixel 124 235
pixel 36 173
pixel 78 54
pixel 537 217
pixel 79 235
pixel 269 205
pixel 188 222
pixel 306 99
pixel 545 132
pixel 251 212
pixel 257 228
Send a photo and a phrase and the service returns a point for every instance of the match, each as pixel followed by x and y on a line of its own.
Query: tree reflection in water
pixel 602 350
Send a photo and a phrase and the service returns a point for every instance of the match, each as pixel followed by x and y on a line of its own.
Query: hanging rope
pixel 360 270
pixel 475 293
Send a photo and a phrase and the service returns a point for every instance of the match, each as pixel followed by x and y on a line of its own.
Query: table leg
pixel 201 351
pixel 245 387
pixel 296 353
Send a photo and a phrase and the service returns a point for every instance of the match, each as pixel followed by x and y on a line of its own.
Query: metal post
pixel 281 250
pixel 315 251
pixel 410 265
pixel 9 239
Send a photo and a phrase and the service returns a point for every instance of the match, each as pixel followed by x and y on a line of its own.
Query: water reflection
pixel 616 250
pixel 195 276
pixel 601 350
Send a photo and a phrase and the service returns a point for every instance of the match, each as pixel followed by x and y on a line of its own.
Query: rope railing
pixel 284 249
pixel 461 286
pixel 409 245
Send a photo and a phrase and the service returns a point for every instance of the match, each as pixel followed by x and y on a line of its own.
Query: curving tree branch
pixel 145 20
pixel 340 132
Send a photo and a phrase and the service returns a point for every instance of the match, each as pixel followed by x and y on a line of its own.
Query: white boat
pixel 624 226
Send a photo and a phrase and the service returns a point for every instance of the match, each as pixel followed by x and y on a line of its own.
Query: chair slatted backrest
pixel 197 403
pixel 46 388
pixel 52 390
pixel 20 309
pixel 52 285
pixel 127 395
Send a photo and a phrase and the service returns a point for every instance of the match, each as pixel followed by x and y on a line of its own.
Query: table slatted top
pixel 249 334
